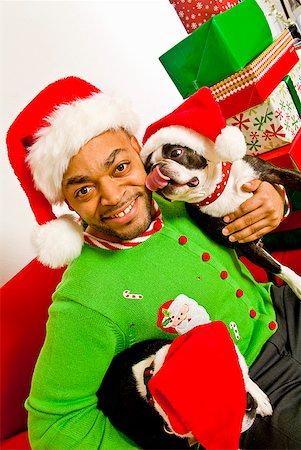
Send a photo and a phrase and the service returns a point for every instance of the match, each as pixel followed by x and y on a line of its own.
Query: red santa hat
pixel 199 115
pixel 41 141
pixel 200 387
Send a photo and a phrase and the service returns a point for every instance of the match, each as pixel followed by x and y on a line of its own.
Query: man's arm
pixel 258 215
pixel 62 405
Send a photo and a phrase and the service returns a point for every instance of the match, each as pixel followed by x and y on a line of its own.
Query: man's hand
pixel 258 215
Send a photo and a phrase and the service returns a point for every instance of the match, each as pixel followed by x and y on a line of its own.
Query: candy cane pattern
pixel 127 294
pixel 235 330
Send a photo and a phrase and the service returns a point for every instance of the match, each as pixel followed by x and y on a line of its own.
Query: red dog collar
pixel 219 189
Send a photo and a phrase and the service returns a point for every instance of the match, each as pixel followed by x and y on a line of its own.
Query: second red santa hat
pixel 199 115
pixel 200 387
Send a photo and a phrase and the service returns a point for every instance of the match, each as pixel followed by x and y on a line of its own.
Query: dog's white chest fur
pixel 233 194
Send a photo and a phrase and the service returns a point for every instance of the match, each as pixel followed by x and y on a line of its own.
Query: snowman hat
pixel 44 137
pixel 204 363
pixel 199 115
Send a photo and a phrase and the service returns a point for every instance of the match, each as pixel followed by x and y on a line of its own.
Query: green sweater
pixel 91 319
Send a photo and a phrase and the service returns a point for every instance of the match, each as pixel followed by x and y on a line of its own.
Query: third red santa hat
pixel 200 387
pixel 199 115
pixel 44 137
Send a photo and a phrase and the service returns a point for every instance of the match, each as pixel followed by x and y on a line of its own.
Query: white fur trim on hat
pixel 230 144
pixel 70 127
pixel 59 241
pixel 176 135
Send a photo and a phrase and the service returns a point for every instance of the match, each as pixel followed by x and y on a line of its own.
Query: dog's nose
pixel 251 403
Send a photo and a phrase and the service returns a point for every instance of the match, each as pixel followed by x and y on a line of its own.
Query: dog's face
pixel 181 173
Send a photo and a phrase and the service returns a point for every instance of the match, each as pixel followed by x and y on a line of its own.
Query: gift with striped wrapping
pixel 251 85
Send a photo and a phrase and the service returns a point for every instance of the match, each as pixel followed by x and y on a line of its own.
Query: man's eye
pixel 83 191
pixel 122 167
pixel 176 152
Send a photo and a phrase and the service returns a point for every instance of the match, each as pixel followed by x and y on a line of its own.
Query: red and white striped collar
pixel 155 226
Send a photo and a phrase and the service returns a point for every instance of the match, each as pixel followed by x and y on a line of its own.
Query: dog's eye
pixel 176 152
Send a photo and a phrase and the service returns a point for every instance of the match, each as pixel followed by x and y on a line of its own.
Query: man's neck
pixel 109 237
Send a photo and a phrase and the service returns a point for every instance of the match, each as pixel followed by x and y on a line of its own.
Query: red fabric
pixel 193 13
pixel 289 258
pixel 24 303
pixel 200 375
pixel 291 222
pixel 18 442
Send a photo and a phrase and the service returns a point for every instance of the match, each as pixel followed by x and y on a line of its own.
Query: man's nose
pixel 111 192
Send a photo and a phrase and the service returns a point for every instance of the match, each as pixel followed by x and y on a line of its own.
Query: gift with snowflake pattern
pixel 193 13
pixel 271 124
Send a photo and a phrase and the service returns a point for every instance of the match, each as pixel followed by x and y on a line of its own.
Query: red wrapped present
pixel 288 156
pixel 193 13
pixel 251 85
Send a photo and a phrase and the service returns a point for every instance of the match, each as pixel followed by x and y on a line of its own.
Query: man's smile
pixel 125 214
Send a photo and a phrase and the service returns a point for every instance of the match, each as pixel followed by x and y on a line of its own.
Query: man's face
pixel 104 184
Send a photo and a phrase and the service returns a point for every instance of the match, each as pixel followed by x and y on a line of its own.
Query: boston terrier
pixel 191 155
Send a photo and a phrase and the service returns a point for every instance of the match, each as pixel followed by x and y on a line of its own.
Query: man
pixel 79 146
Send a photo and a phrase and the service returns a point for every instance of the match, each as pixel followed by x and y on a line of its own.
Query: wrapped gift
pixel 293 82
pixel 193 13
pixel 288 156
pixel 270 125
pixel 255 82
pixel 295 75
pixel 221 46
pixel 294 93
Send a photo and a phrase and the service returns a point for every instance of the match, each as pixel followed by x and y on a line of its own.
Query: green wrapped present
pixel 221 46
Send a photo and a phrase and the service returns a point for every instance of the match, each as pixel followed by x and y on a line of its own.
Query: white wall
pixel 113 44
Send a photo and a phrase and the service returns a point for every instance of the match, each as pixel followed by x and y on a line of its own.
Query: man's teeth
pixel 125 211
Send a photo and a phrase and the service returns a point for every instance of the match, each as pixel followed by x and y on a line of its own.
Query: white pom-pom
pixel 59 241
pixel 230 144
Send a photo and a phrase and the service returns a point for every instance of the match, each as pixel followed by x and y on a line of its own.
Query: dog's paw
pixel 292 279
pixel 264 407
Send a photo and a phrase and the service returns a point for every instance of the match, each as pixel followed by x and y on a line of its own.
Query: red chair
pixel 290 257
pixel 24 304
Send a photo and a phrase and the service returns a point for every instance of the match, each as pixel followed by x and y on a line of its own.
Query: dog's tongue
pixel 156 180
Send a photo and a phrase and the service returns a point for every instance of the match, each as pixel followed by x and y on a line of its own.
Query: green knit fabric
pixel 91 320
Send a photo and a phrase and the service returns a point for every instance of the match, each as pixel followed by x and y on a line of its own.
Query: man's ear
pixel 135 144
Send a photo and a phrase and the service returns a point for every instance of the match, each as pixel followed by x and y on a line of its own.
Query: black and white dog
pixel 125 399
pixel 191 178
pixel 192 156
